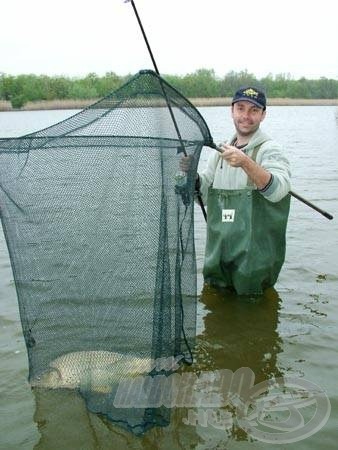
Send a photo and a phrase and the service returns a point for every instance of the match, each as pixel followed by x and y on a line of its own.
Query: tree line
pixel 21 89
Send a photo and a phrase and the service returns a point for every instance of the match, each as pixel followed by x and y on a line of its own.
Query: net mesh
pixel 101 241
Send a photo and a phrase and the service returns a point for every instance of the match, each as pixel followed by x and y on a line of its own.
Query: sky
pixel 74 38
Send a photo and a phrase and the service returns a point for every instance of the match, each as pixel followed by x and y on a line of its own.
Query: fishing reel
pixel 181 186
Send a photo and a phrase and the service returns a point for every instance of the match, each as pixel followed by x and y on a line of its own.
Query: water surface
pixel 293 333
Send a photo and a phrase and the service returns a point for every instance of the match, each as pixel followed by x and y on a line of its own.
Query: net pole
pixel 145 37
pixel 158 73
pixel 199 197
pixel 178 301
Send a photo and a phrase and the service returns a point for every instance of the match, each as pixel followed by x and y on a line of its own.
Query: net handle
pixel 182 148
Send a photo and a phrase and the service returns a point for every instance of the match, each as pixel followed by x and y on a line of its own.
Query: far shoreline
pixel 198 102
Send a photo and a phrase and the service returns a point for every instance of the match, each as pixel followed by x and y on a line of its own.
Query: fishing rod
pixel 182 148
pixel 321 211
pixel 297 196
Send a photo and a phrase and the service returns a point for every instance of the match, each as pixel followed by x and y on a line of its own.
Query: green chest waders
pixel 245 246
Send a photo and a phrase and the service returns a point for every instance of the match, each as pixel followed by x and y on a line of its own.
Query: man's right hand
pixel 185 163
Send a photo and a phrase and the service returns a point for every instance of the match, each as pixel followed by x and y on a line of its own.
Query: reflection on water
pixel 238 332
pixel 241 331
pixel 63 421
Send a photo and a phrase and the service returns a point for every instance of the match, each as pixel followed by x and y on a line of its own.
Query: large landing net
pixel 100 235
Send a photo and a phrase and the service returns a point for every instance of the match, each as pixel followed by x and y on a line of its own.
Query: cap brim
pixel 250 100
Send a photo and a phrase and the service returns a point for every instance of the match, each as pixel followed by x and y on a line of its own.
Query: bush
pixel 18 101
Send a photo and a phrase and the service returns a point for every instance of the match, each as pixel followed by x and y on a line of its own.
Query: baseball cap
pixel 250 94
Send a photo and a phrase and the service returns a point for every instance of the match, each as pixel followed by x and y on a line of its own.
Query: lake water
pixel 294 336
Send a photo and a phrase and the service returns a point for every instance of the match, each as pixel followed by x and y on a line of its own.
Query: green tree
pixel 108 83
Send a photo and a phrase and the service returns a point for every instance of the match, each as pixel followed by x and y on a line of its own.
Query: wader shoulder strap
pixel 253 157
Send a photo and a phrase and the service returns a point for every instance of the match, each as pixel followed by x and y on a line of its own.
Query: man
pixel 245 187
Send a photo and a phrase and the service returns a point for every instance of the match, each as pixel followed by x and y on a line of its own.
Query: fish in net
pixel 99 226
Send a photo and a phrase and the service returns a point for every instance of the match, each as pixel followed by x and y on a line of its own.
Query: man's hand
pixel 233 156
pixel 185 163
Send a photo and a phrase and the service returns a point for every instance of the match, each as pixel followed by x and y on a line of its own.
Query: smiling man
pixel 246 191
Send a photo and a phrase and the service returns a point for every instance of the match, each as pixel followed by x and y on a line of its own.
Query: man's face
pixel 247 117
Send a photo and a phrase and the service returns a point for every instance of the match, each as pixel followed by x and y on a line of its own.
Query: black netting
pixel 100 235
